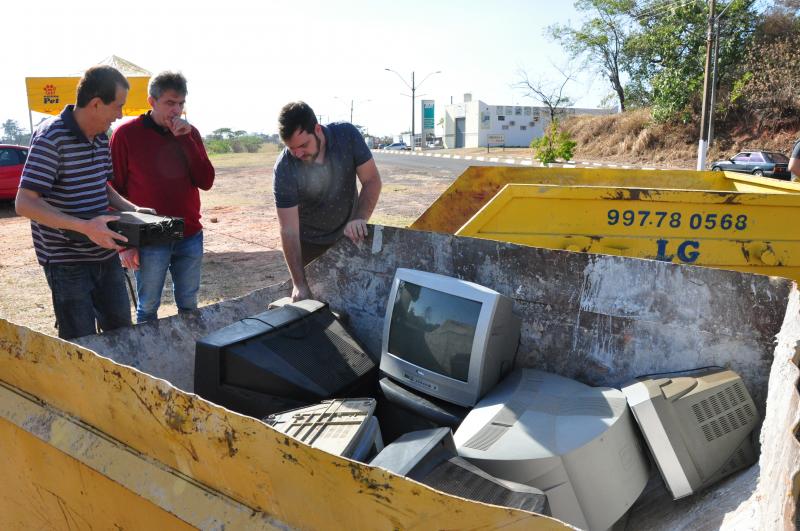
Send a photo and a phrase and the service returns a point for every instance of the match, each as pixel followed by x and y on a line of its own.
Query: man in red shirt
pixel 160 162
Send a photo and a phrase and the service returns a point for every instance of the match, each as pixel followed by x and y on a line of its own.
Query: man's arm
pixel 794 166
pixel 289 221
pixel 119 161
pixel 30 204
pixel 201 170
pixel 123 205
pixel 370 180
pixel 794 160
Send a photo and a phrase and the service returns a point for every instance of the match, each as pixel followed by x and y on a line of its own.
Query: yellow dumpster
pixel 715 219
pixel 106 432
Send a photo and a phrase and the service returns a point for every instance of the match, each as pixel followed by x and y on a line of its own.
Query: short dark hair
pixel 296 115
pixel 100 81
pixel 167 81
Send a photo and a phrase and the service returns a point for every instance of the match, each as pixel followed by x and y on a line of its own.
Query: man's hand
pixel 356 230
pixel 145 210
pixel 179 126
pixel 130 258
pixel 300 293
pixel 97 230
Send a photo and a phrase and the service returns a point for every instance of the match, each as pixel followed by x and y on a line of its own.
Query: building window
pixel 523 128
pixel 512 122
pixel 501 118
pixel 509 110
pixel 532 124
pixel 505 128
pixel 527 111
pixel 518 111
pixel 499 110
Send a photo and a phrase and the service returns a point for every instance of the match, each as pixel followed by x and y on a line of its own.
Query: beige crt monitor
pixel 698 427
pixel 576 443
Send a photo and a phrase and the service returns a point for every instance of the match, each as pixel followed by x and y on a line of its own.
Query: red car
pixel 12 159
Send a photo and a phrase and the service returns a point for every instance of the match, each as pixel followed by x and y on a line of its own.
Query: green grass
pixel 264 158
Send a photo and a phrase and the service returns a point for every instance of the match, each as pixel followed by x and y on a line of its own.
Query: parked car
pixel 767 163
pixel 398 146
pixel 12 159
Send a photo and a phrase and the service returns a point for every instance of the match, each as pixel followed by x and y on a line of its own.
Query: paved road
pixel 415 170
pixel 424 163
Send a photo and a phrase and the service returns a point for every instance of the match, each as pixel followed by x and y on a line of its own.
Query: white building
pixel 477 124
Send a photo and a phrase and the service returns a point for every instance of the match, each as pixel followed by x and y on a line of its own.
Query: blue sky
pixel 245 61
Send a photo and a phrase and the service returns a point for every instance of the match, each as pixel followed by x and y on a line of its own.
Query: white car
pixel 402 146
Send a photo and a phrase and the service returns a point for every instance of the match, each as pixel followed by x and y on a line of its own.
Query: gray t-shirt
pixel 325 194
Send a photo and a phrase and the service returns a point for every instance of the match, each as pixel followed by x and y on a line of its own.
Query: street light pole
pixel 413 88
pixel 702 145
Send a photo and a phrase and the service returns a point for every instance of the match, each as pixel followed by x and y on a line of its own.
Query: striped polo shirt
pixel 70 173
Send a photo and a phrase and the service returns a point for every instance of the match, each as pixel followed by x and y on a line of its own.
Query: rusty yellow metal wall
pixel 42 488
pixel 200 457
pixel 730 230
pixel 478 184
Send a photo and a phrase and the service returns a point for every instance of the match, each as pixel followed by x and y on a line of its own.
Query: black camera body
pixel 140 229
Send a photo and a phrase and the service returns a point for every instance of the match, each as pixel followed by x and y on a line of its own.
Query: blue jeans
pixel 184 259
pixel 87 291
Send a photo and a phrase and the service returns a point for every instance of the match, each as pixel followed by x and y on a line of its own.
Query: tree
pixel 601 39
pixel 667 51
pixel 553 145
pixel 550 94
pixel 222 133
pixel 765 93
pixel 12 132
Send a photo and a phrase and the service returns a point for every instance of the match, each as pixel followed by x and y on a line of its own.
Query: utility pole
pixel 413 114
pixel 703 144
pixel 717 23
pixel 413 88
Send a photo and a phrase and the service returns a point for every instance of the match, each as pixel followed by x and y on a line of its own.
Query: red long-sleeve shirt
pixel 156 169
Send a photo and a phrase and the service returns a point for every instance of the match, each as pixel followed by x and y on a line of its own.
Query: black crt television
pixel 284 358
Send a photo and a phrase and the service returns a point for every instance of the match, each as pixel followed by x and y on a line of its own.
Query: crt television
pixel 698 426
pixel 446 337
pixel 575 442
pixel 284 358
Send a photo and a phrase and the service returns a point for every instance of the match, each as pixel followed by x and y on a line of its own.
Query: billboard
pixel 428 119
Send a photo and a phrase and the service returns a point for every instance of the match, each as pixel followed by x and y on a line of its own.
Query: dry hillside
pixel 633 138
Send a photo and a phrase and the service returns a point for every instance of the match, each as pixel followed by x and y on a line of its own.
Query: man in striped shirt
pixel 66 176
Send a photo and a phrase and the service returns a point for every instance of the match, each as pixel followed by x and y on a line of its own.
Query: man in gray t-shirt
pixel 794 162
pixel 315 188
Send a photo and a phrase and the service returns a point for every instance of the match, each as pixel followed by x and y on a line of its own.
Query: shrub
pixel 554 145
pixel 239 144
pixel 218 146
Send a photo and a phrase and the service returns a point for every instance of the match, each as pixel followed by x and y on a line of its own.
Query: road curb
pixel 526 161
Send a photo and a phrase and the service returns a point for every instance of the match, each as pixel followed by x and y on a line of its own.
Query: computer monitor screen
pixel 433 329
pixel 447 337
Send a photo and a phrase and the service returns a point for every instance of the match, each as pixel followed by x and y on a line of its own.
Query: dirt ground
pixel 242 243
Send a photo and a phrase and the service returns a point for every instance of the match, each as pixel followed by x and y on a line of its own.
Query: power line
pixel 653 11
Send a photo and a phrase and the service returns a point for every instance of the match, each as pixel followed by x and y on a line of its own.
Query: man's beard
pixel 311 158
